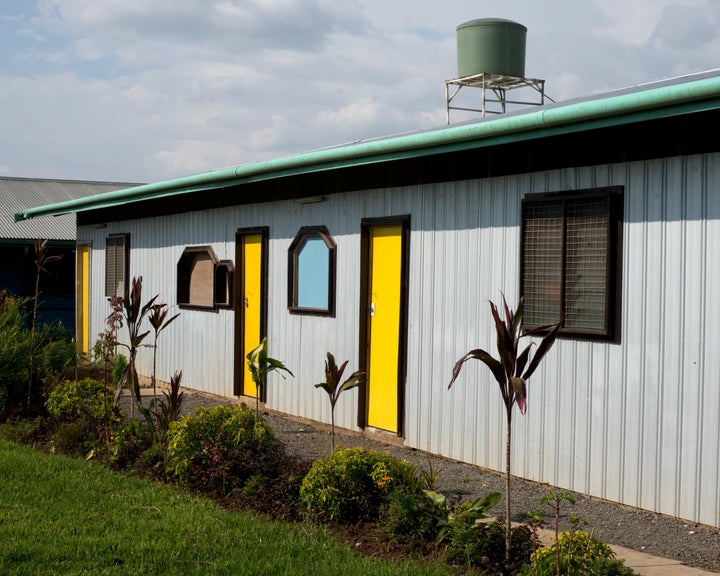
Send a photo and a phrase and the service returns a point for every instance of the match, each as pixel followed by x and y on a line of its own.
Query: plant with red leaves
pixel 511 372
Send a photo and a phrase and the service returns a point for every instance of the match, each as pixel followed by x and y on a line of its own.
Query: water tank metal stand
pixel 494 90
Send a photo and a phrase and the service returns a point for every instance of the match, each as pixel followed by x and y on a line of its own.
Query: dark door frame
pixel 366 225
pixel 239 300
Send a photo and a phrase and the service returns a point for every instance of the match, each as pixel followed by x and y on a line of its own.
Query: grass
pixel 65 516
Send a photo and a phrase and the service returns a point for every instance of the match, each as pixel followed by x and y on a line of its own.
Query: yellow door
pixel 385 275
pixel 82 298
pixel 250 298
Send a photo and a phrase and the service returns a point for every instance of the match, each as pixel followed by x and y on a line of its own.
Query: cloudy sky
pixel 147 90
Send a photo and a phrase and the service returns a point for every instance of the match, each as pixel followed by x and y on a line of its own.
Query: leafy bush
pixel 56 355
pixel 351 485
pixel 129 445
pixel 74 400
pixel 463 513
pixel 26 430
pixel 76 438
pixel 219 448
pixel 409 514
pixel 14 355
pixel 79 409
pixel 482 544
pixel 580 554
pixel 475 544
pixel 54 349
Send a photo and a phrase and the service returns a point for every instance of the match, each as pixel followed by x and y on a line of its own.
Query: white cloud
pixel 629 22
pixel 267 137
pixel 685 28
pixel 142 90
pixel 358 113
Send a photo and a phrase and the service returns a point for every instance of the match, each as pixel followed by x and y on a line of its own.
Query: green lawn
pixel 65 516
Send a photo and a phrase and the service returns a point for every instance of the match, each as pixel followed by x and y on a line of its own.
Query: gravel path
pixel 655 534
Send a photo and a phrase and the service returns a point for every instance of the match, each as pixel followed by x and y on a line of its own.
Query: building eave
pixel 679 96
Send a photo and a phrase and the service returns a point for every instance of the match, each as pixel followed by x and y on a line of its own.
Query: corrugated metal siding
pixel 633 422
pixel 20 193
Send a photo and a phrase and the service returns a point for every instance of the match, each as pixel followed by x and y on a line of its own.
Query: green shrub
pixel 129 443
pixel 580 554
pixel 482 544
pixel 56 355
pixel 74 400
pixel 409 514
pixel 475 544
pixel 352 485
pixel 14 356
pixel 218 448
pixel 76 438
pixel 26 430
pixel 78 409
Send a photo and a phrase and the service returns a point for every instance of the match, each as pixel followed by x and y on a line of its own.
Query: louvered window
pixel 117 265
pixel 571 260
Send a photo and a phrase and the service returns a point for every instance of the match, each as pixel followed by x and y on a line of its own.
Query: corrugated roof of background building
pixel 19 193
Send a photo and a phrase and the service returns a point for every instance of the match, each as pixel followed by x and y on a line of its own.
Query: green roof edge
pixel 682 97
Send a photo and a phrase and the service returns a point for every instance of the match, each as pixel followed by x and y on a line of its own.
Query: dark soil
pixel 306 441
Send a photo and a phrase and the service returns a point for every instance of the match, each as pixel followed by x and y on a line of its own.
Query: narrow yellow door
pixel 384 326
pixel 82 298
pixel 252 302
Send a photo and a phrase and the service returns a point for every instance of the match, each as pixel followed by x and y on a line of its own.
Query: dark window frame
pixel 221 283
pixel 115 243
pixel 293 270
pixel 613 257
pixel 224 284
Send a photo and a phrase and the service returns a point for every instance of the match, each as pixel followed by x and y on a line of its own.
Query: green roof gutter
pixel 683 97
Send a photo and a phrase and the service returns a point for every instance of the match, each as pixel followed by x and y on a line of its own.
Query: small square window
pixel 571 249
pixel 311 275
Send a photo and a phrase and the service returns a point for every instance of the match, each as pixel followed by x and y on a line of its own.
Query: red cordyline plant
pixel 157 318
pixel 133 315
pixel 511 372
pixel 333 387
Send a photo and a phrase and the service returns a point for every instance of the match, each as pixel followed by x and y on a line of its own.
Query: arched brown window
pixel 311 272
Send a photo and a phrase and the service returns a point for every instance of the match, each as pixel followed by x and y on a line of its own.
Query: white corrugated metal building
pixel 604 210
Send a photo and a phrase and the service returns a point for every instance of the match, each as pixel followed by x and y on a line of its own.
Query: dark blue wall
pixel 57 288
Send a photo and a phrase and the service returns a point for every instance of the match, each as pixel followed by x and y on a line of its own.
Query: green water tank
pixel 492 46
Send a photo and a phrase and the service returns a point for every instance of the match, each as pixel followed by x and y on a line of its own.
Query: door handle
pixel 372 309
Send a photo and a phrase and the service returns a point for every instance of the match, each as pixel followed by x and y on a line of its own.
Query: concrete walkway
pixel 640 562
pixel 648 565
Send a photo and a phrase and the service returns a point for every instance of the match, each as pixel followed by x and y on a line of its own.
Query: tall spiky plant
pixel 42 259
pixel 157 319
pixel 133 315
pixel 511 372
pixel 333 376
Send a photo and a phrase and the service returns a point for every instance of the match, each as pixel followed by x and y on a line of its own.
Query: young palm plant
pixel 260 365
pixel 511 371
pixel 333 376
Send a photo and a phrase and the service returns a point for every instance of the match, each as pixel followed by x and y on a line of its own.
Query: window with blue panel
pixel 311 266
